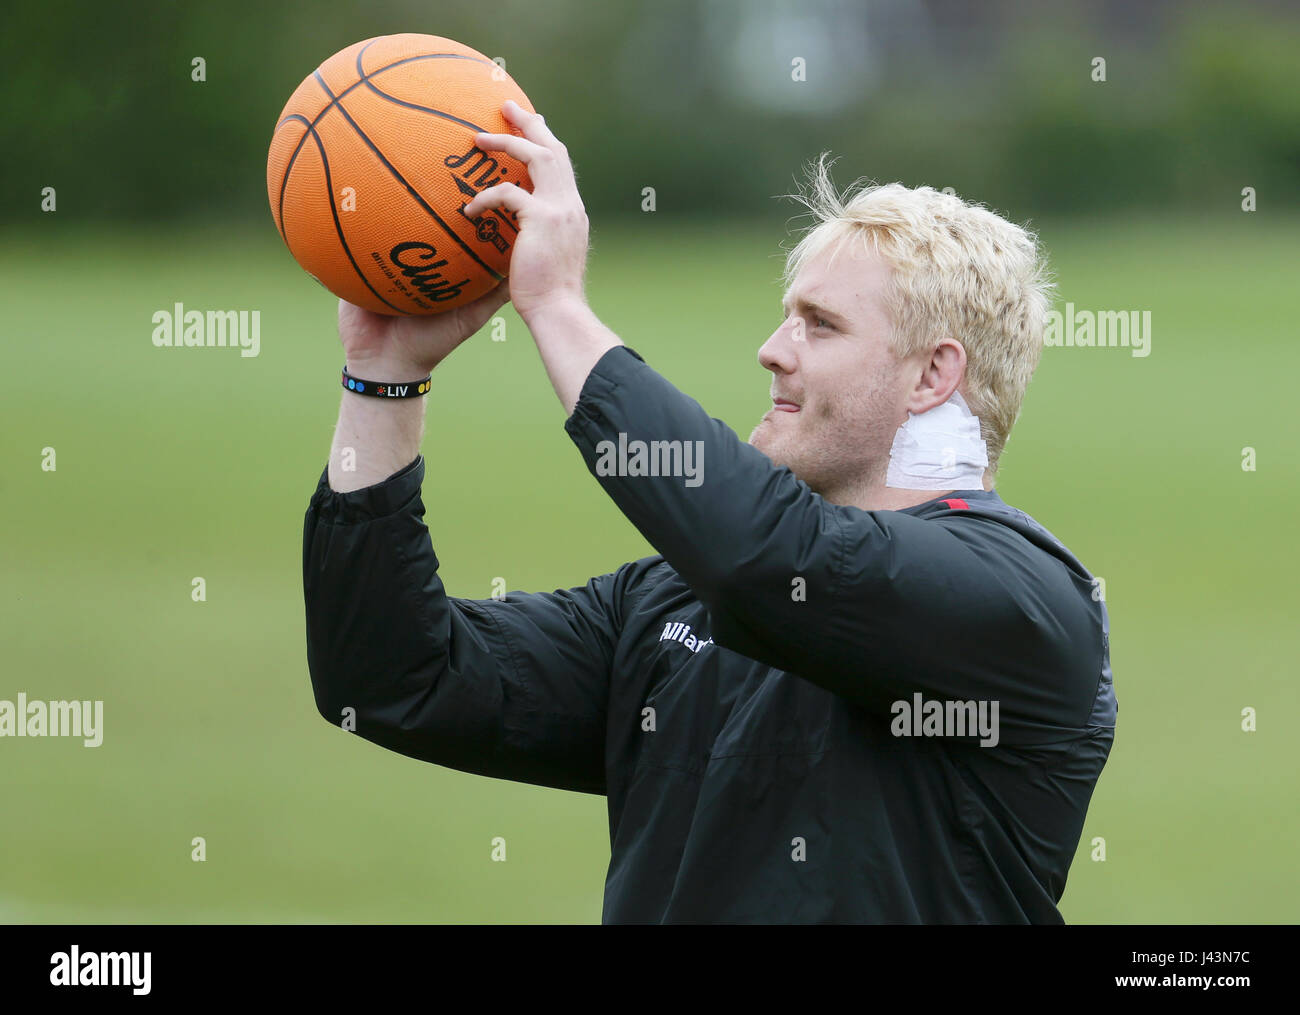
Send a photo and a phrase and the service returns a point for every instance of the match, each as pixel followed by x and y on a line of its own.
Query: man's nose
pixel 779 352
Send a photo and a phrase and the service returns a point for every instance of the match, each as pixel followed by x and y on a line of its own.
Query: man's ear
pixel 942 370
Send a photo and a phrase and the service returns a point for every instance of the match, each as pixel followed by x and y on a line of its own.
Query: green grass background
pixel 174 463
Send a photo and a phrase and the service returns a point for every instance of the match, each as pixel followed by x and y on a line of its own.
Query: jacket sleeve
pixel 872 605
pixel 514 688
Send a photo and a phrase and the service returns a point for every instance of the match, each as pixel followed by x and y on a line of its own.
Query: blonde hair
pixel 959 271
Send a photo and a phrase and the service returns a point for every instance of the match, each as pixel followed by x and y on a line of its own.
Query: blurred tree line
pixel 716 104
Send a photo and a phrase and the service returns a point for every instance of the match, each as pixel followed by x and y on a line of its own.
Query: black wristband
pixel 387 389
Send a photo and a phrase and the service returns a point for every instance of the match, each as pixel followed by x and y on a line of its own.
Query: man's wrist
pixel 571 339
pixel 562 310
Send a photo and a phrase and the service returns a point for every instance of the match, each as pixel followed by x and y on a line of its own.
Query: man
pixel 853 685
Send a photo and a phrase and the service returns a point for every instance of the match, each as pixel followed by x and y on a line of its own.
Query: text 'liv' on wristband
pixel 387 389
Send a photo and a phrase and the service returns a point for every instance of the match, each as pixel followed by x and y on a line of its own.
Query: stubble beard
pixel 840 450
pixel 826 458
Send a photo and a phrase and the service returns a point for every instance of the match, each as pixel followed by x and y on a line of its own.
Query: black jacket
pixel 739 698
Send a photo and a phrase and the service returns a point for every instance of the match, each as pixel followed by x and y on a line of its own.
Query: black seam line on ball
pixel 284 180
pixel 365 78
pixel 502 215
pixel 329 186
pixel 411 190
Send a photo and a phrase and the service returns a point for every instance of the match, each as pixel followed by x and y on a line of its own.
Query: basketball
pixel 372 163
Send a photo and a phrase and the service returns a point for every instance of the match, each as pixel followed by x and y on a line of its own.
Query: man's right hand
pixel 405 348
pixel 376 437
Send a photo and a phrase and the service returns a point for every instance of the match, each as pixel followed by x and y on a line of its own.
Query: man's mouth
pixel 784 405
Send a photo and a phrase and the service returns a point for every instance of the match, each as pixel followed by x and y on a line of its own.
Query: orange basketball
pixel 372 163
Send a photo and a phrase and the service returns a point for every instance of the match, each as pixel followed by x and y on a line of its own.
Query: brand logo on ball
pixel 487 224
pixel 413 260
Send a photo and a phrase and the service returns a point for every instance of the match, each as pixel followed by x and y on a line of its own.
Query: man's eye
pixel 818 322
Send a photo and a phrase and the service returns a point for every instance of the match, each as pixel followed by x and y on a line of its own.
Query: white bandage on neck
pixel 939 450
